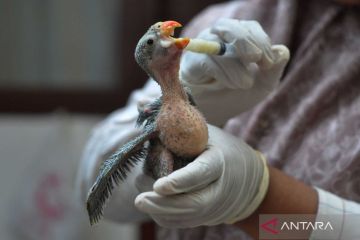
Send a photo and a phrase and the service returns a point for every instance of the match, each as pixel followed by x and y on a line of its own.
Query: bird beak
pixel 167 29
pixel 181 43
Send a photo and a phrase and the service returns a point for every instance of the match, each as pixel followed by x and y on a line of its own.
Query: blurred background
pixel 64 65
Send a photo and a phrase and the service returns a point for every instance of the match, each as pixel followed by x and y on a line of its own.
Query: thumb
pixel 196 175
pixel 193 68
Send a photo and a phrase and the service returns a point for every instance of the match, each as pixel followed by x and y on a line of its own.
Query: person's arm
pixel 285 195
pixel 289 196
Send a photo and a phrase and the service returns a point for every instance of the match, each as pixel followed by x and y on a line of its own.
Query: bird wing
pixel 149 113
pixel 114 170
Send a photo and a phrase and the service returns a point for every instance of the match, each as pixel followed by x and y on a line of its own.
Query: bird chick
pixel 181 127
pixel 174 132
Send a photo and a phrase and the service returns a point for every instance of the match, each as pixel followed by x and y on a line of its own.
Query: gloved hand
pixel 226 86
pixel 224 184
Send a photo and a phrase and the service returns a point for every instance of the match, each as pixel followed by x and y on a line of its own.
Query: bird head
pixel 158 49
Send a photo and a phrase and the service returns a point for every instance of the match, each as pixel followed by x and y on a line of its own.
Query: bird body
pixel 174 132
pixel 182 129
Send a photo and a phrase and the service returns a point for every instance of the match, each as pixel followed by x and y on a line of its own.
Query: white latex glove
pixel 112 133
pixel 223 185
pixel 226 86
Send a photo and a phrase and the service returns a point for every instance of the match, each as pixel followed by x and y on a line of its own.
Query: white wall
pixel 38 162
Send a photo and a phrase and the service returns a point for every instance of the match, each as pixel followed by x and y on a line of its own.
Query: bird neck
pixel 171 87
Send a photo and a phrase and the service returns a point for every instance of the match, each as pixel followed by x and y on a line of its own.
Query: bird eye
pixel 150 41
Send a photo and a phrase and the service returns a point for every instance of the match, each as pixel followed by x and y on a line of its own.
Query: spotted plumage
pixel 174 132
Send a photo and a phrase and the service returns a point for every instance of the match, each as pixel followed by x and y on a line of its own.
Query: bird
pixel 173 131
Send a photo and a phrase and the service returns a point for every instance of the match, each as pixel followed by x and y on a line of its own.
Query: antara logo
pixel 271 226
pixel 301 226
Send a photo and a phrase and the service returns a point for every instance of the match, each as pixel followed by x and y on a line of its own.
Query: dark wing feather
pixel 114 170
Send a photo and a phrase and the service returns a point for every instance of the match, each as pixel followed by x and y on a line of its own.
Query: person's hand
pixel 225 184
pixel 226 86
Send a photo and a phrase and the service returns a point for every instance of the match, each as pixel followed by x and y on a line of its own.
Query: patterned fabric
pixel 310 126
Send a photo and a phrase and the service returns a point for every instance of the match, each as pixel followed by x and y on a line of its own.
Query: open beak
pixel 167 29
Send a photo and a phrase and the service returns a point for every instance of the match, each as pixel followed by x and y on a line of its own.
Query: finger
pixel 226 29
pixel 252 44
pixel 261 40
pixel 196 175
pixel 246 47
pixel 175 221
pixel 269 77
pixel 235 74
pixel 281 54
pixel 193 68
pixel 153 203
pixel 207 34
pixel 199 69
